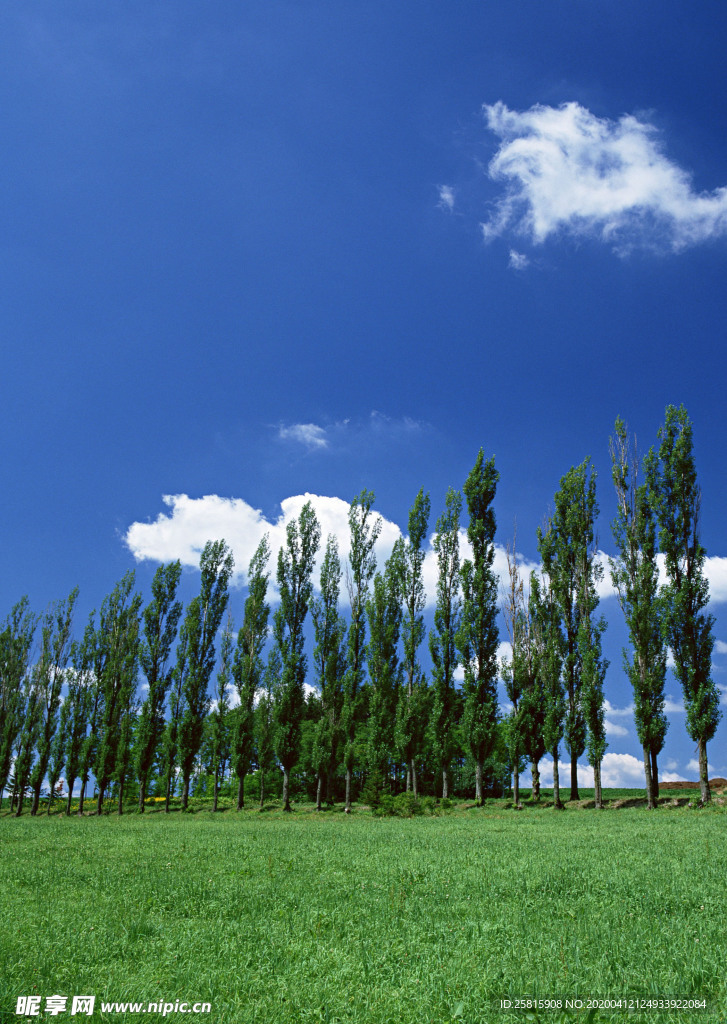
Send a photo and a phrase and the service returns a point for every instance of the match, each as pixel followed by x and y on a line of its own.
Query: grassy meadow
pixel 307 917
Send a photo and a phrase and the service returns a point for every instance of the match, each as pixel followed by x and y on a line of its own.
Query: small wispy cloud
pixel 446 197
pixel 308 434
pixel 518 260
pixel 568 171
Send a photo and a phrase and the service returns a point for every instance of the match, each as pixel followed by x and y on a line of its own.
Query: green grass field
pixel 309 917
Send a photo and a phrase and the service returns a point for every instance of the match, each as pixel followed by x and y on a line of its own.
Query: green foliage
pixel 477 638
pixel 295 567
pixel 567 549
pixel 201 623
pixel 676 497
pixel 443 637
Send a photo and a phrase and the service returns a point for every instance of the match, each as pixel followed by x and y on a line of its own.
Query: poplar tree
pixel 248 665
pixel 219 728
pixel 635 574
pixel 57 759
pixel 567 550
pixel 547 639
pixel 519 670
pixel 676 496
pixel 478 637
pixel 202 620
pixel 161 620
pixel 383 610
pixel 265 718
pixel 442 638
pixel 593 673
pixel 116 663
pixel 295 567
pixel 411 716
pixel 170 737
pixel 16 638
pixel 79 704
pixel 49 672
pixel 330 666
pixel 90 664
pixel 365 527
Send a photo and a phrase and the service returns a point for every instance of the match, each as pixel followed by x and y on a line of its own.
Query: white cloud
pixel 673 707
pixel 693 766
pixel 720 647
pixel 613 712
pixel 618 771
pixel 308 434
pixel 715 569
pixel 518 260
pixel 613 729
pixel 446 197
pixel 183 532
pixel 567 170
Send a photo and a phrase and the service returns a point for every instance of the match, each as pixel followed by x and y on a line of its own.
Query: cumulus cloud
pixel 720 647
pixel 568 171
pixel 308 434
pixel 693 766
pixel 182 532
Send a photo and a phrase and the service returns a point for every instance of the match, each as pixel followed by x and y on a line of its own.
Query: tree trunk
pixel 408 778
pixel 516 788
pixel 348 789
pixel 445 784
pixel 68 801
pixel 478 783
pixel 240 792
pixel 99 801
pixel 36 799
pixel 319 793
pixel 121 798
pixel 20 803
pixel 169 793
pixel 704 773
pixel 262 789
pixel 535 771
pixel 654 775
pixel 413 770
pixel 80 799
pixel 286 787
pixel 185 793
pixel 574 794
pixel 649 780
pixel 214 798
pixel 142 795
pixel 557 802
pixel 597 786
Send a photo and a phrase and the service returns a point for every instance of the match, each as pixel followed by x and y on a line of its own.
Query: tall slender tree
pixel 411 716
pixel 365 527
pixel 330 666
pixel 295 567
pixel 16 638
pixel 519 671
pixel 90 664
pixel 161 620
pixel 567 549
pixel 79 704
pixel 116 663
pixel 202 621
pixel 676 496
pixel 265 718
pixel 477 639
pixel 219 728
pixel 635 574
pixel 548 641
pixel 383 610
pixel 247 668
pixel 49 671
pixel 442 639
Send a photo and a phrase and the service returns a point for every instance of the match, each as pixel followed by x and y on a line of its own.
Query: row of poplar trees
pixel 376 707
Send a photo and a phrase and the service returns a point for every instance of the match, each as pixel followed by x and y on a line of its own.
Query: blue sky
pixel 255 251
